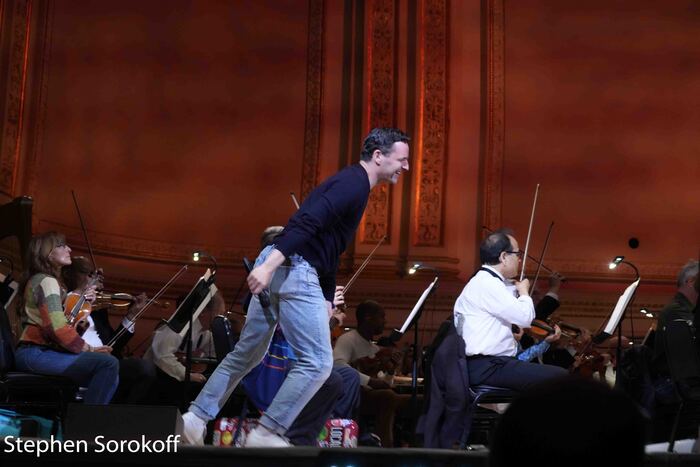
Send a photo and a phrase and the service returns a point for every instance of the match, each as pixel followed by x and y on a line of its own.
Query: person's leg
pixel 304 321
pixel 247 354
pixel 349 401
pixel 97 371
pixel 305 429
pixel 511 373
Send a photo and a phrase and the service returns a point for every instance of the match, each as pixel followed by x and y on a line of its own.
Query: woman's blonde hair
pixel 40 247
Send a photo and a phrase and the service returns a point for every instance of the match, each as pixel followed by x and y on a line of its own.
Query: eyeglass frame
pixel 520 254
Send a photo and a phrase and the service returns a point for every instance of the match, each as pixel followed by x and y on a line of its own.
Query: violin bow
pixel 363 265
pixel 539 263
pixel 85 235
pixel 149 303
pixel 294 199
pixel 529 231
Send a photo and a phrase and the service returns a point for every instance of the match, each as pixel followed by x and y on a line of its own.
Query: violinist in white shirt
pixel 485 311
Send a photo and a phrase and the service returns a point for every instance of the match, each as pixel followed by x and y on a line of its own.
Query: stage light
pixel 198 255
pixel 621 260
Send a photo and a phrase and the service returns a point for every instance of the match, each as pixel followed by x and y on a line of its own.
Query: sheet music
pixel 417 306
pixel 620 307
pixel 177 319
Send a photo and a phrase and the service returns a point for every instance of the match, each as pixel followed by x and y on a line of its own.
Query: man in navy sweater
pixel 299 272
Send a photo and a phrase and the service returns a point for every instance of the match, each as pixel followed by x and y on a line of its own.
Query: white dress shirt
pixel 484 312
pixel 167 342
pixel 352 346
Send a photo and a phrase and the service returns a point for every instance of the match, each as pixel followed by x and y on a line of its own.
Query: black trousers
pixel 509 372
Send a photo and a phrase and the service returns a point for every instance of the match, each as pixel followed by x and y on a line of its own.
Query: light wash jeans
pixel 98 372
pixel 297 303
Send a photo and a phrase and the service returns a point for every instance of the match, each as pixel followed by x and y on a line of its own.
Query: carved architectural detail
pixel 145 249
pixel 19 22
pixel 432 83
pixel 493 120
pixel 381 105
pixel 314 98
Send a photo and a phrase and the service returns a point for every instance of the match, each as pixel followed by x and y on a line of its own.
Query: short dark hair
pixel 366 309
pixel 492 246
pixel 382 139
pixel 269 235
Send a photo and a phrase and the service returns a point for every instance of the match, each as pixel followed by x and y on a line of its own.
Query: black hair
pixel 382 139
pixel 492 246
pixel 366 309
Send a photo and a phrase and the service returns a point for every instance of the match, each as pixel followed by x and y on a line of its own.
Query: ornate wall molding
pixel 142 249
pixel 493 110
pixel 432 125
pixel 19 24
pixel 381 66
pixel 314 98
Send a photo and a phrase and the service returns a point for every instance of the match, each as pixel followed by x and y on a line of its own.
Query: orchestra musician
pixel 485 311
pixel 48 344
pixel 356 348
pixel 681 307
pixel 167 346
pixel 136 376
pixel 299 271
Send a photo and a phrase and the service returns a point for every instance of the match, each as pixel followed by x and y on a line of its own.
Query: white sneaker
pixel 261 437
pixel 193 429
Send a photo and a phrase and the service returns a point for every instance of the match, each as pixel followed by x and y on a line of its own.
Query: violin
pixel 119 300
pixel 77 309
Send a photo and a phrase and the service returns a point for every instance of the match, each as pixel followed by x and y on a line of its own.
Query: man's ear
pixel 502 257
pixel 376 155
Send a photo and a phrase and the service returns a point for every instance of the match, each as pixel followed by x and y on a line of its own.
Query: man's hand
pixel 261 276
pixel 337 319
pixel 134 308
pixel 554 337
pixel 339 297
pixel 523 287
pixel 102 349
pixel 90 294
pixel 198 378
pixel 555 281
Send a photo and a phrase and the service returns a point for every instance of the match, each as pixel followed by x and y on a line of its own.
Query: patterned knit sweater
pixel 45 321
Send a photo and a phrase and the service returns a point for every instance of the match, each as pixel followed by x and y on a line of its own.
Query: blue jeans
pixel 98 372
pixel 297 303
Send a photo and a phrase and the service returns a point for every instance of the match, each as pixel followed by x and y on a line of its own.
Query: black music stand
pixel 181 320
pixel 616 318
pixel 397 334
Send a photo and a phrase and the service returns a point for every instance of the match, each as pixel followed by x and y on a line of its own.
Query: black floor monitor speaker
pixel 122 422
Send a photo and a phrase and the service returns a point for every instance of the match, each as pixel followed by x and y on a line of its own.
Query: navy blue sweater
pixel 326 222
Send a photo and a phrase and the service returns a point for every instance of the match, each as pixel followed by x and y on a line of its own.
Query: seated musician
pixel 485 311
pixel 681 307
pixel 356 348
pixel 136 376
pixel 167 350
pixel 49 345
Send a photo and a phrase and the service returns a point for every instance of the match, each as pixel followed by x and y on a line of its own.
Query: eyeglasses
pixel 519 254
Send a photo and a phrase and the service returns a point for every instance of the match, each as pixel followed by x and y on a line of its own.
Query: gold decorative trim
pixel 314 98
pixel 142 249
pixel 432 125
pixel 493 109
pixel 381 107
pixel 19 24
